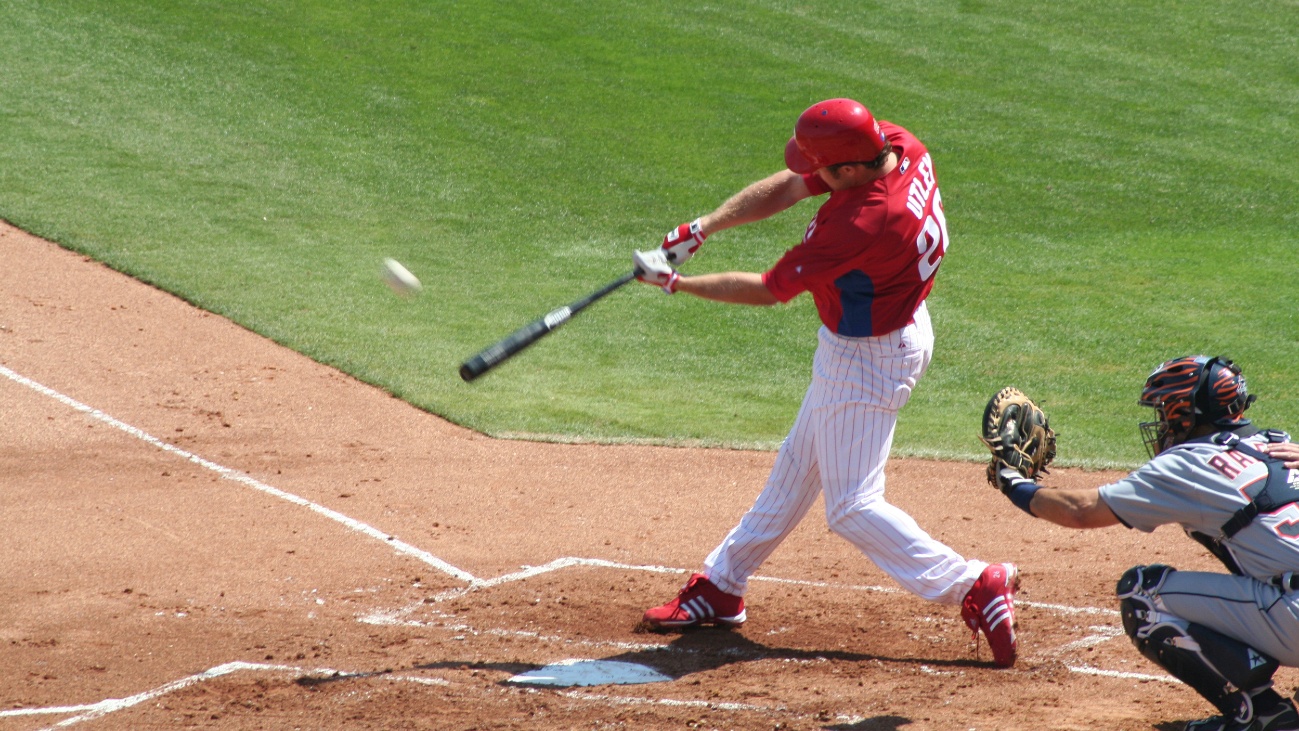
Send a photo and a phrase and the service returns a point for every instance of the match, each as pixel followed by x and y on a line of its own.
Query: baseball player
pixel 868 258
pixel 1222 634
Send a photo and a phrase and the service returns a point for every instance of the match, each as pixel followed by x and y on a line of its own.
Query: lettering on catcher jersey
pixel 1230 464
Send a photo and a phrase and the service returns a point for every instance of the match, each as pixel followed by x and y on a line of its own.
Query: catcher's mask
pixel 1189 392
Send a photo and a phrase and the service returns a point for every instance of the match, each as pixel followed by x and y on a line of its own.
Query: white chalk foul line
pixel 559 563
pixel 47 711
pixel 96 710
pixel 1066 609
pixel 1089 670
pixel 105 707
pixel 363 528
pixel 615 700
pixel 1100 635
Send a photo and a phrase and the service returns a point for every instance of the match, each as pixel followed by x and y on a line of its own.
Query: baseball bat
pixel 494 355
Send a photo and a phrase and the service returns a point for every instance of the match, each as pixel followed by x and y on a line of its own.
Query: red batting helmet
pixel 1191 391
pixel 831 132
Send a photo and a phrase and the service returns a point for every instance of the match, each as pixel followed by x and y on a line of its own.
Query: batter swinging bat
pixel 497 354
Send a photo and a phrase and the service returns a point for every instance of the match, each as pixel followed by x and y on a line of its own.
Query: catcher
pixel 1215 474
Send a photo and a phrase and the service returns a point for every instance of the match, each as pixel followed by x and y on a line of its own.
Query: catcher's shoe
pixel 1281 717
pixel 990 606
pixel 698 602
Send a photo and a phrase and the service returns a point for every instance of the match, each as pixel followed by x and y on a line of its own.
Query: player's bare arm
pixel 1073 508
pixel 741 288
pixel 759 200
pixel 1078 508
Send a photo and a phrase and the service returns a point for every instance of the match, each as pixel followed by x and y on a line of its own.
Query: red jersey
pixel 870 253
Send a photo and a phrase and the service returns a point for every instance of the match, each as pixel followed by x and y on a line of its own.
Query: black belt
pixel 1289 581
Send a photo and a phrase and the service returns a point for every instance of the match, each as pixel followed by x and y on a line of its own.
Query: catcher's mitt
pixel 1016 431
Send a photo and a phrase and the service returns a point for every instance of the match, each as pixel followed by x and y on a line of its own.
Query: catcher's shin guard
pixel 1223 670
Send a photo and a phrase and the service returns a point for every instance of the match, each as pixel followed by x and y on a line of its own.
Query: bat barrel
pixel 494 355
pixel 473 368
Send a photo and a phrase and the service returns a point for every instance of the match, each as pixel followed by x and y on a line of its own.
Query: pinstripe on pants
pixel 838 446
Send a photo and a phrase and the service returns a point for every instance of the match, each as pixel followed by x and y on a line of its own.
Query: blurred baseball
pixel 399 278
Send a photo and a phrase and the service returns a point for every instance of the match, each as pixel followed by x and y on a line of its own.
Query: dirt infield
pixel 205 530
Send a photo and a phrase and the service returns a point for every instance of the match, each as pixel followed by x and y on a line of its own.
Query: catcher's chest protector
pixel 1276 493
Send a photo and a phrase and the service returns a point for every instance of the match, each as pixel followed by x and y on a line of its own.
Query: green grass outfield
pixel 1120 185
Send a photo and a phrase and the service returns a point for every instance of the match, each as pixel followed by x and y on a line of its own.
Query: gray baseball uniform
pixel 1200 485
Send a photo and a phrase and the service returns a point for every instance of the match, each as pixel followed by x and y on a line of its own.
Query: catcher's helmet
pixel 831 132
pixel 1188 392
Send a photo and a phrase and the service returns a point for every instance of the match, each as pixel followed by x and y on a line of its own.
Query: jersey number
pixel 1290 528
pixel 932 241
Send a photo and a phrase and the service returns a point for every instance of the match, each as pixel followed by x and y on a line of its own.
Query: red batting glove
pixel 652 267
pixel 682 242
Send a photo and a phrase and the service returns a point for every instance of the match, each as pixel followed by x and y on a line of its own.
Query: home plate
pixel 568 673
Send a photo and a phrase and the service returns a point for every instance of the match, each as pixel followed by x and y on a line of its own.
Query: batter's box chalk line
pixel 473 583
pixel 91 711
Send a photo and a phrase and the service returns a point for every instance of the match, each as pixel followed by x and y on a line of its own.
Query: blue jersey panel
pixel 856 297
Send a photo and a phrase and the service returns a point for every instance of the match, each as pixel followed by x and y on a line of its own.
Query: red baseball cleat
pixel 990 606
pixel 698 602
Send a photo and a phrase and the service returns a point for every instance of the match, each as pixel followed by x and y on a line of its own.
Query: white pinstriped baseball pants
pixel 837 447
